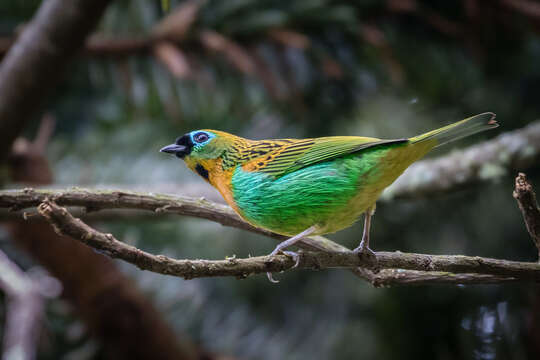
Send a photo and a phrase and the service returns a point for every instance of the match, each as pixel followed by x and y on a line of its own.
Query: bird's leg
pixel 289 242
pixel 364 244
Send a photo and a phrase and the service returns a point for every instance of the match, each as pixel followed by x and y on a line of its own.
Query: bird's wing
pixel 295 154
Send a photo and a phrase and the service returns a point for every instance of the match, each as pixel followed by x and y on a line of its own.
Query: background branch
pixel 35 61
pixel 25 301
pixel 94 200
pixel 392 277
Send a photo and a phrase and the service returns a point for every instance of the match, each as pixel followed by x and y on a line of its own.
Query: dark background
pixel 300 69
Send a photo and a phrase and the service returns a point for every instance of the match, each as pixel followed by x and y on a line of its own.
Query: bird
pixel 314 186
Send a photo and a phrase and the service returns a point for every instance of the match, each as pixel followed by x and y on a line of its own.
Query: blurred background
pixel 270 69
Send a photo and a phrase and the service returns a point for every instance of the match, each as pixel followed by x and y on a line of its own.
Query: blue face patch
pixel 200 138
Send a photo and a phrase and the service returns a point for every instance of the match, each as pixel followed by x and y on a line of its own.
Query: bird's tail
pixel 458 130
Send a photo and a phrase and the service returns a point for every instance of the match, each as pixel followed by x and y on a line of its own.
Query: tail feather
pixel 458 130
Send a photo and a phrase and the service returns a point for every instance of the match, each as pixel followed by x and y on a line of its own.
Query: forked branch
pixel 477 270
pixel 392 268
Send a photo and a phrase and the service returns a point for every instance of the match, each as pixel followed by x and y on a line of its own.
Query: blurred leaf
pixel 165 5
pixel 176 25
pixel 257 21
pixel 290 38
pixel 173 58
pixel 234 52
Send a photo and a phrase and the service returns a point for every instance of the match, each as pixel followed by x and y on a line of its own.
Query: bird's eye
pixel 200 137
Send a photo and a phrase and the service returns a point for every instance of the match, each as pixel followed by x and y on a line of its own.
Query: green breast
pixel 329 194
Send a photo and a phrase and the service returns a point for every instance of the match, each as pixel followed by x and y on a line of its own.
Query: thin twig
pixel 526 199
pixel 66 224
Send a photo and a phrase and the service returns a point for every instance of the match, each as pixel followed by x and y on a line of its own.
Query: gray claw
pixel 296 257
pixel 270 278
pixel 364 251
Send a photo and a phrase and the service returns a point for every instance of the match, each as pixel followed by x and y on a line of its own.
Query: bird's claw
pixel 270 278
pixel 269 274
pixel 364 250
pixel 367 253
pixel 295 256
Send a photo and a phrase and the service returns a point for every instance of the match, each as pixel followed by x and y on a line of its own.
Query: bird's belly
pixel 331 195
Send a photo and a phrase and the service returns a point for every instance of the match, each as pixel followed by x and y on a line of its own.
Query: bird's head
pixel 202 150
pixel 198 144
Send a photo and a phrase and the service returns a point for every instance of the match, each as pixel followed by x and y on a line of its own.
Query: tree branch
pixel 158 203
pixel 392 277
pixel 36 59
pixel 502 270
pixel 511 151
pixel 424 265
pixel 526 199
pixel 164 204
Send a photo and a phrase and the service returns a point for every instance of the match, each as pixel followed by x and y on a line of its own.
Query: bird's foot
pixel 295 257
pixel 289 242
pixel 365 252
pixel 270 278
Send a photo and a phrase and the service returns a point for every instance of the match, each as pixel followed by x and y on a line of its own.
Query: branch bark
pixel 158 203
pixel 424 267
pixel 526 199
pixel 133 204
pixel 489 270
pixel 392 277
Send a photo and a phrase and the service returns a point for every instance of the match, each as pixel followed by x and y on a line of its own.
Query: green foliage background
pixel 435 64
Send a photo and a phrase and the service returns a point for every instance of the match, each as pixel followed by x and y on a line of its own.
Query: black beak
pixel 179 150
pixel 181 147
